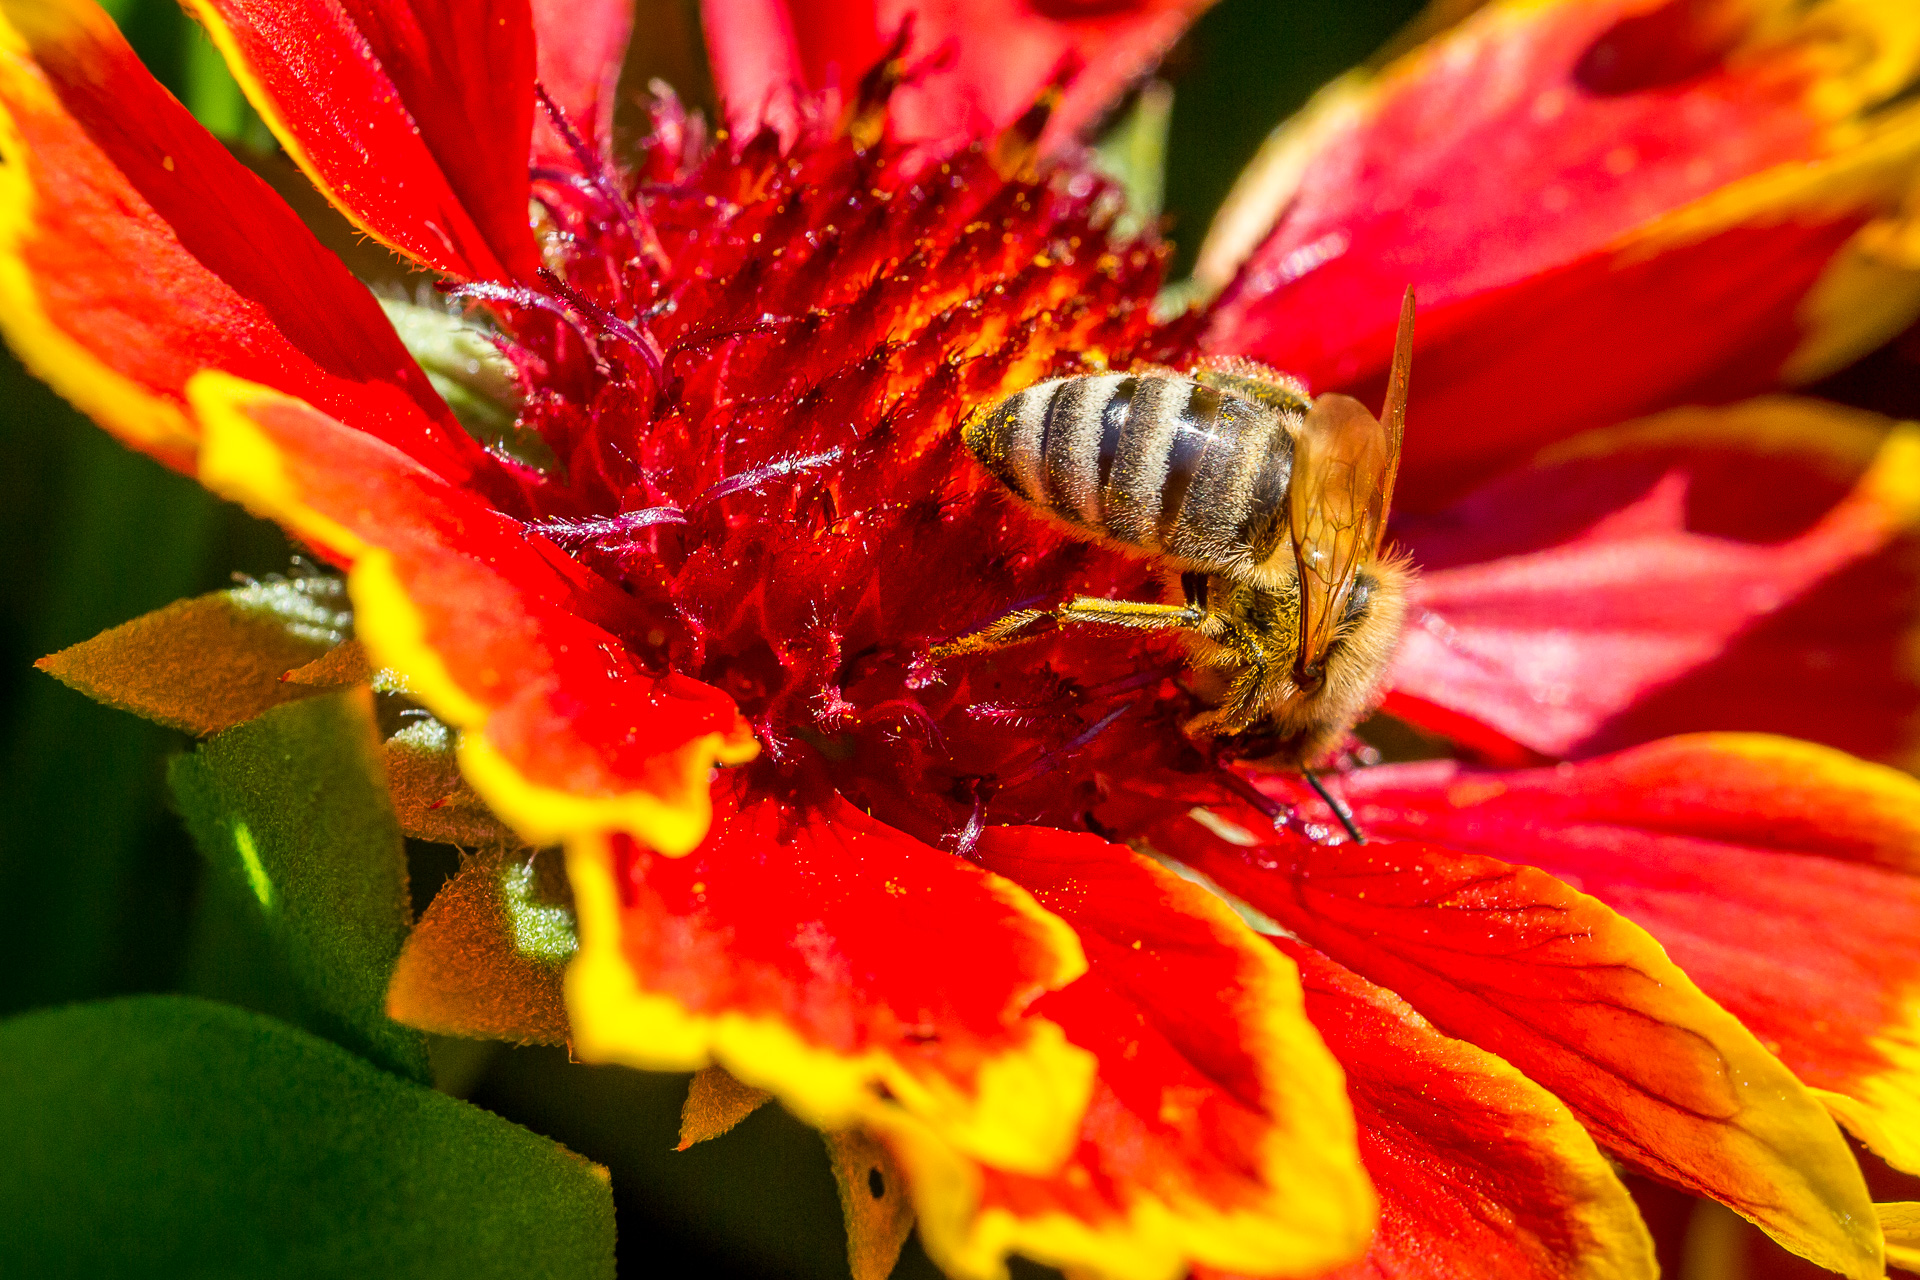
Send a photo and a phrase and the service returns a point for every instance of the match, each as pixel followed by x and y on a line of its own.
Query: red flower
pixel 1607 207
pixel 734 519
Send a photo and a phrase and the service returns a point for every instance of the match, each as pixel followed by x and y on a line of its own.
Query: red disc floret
pixel 751 363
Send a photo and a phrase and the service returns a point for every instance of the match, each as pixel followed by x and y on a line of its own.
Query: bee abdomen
pixel 1045 443
pixel 1157 462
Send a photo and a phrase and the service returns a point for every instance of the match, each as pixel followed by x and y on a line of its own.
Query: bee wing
pixel 1342 462
pixel 1344 465
pixel 1394 412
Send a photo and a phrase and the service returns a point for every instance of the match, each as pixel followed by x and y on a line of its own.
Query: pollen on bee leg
pixel 1011 628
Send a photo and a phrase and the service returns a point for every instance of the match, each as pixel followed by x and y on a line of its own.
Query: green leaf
pixel 307 905
pixel 1253 64
pixel 1134 154
pixel 169 1136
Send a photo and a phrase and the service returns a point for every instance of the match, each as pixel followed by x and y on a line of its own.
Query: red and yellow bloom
pixel 942 903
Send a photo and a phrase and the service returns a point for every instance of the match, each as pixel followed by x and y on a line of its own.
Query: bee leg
pixel 1253 689
pixel 1246 702
pixel 1133 613
pixel 1026 624
pixel 998 635
pixel 1194 615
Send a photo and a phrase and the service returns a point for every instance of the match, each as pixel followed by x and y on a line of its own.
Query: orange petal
pixel 1626 585
pixel 986 62
pixel 1217 1133
pixel 500 634
pixel 414 117
pixel 1577 997
pixel 581 45
pixel 844 967
pixel 1480 1171
pixel 136 252
pixel 1779 875
pixel 1605 205
pixel 1901 1221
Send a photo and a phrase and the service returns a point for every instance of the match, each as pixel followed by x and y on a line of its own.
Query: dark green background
pixel 100 880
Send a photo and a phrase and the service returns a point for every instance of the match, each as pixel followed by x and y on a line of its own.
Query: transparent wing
pixel 1344 465
pixel 1342 462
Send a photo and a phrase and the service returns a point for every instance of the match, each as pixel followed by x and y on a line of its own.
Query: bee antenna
pixel 1339 807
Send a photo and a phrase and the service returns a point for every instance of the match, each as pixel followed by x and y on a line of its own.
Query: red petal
pixel 1628 585
pixel 848 969
pixel 1578 998
pixel 1587 244
pixel 756 58
pixel 413 116
pixel 993 58
pixel 1480 1171
pixel 1469 739
pixel 496 630
pixel 1217 1131
pixel 582 44
pixel 1705 841
pixel 135 252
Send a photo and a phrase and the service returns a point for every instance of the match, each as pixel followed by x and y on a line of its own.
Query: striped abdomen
pixel 1154 461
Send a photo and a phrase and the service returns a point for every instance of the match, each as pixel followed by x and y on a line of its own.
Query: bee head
pixel 1335 688
pixel 1310 669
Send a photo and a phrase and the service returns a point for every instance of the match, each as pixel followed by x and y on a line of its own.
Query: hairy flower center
pixel 750 368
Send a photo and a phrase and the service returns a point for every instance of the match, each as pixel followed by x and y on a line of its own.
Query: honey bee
pixel 1267 507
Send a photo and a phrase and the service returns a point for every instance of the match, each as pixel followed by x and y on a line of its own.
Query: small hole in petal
pixel 876 1183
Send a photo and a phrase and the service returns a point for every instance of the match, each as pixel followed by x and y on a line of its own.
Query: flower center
pixel 750 367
